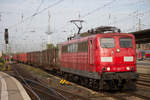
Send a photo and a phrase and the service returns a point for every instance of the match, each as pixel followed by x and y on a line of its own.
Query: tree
pixel 49 46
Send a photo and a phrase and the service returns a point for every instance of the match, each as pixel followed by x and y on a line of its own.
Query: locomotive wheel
pixel 82 82
pixel 86 81
pixel 130 85
pixel 95 85
pixel 91 83
pixel 112 85
pixel 133 85
pixel 76 79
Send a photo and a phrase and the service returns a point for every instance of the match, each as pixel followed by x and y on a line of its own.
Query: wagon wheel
pixel 66 76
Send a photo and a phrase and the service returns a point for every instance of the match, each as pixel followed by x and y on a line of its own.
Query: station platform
pixel 11 89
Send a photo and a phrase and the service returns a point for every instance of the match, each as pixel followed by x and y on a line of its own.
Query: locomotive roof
pixel 96 35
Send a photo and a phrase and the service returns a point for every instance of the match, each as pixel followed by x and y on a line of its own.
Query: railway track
pixel 144 80
pixel 117 95
pixel 124 95
pixel 146 76
pixel 44 91
pixel 68 93
pixel 36 90
pixel 127 96
pixel 141 93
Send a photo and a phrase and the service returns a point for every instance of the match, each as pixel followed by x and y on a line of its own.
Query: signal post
pixel 7 44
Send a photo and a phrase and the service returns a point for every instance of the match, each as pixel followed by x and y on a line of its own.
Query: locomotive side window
pixel 126 42
pixel 83 47
pixel 73 47
pixel 107 42
pixel 70 48
pixel 76 47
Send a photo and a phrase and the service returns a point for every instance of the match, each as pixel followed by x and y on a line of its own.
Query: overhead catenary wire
pixel 106 5
pixel 56 3
pixel 91 12
pixel 133 13
pixel 137 16
pixel 97 9
pixel 35 14
pixel 37 10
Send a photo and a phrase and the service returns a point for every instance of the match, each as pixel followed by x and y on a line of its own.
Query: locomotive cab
pixel 117 59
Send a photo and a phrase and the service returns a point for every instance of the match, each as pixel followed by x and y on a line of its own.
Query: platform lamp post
pixel 41 54
pixel 24 45
pixel 43 43
pixel 48 31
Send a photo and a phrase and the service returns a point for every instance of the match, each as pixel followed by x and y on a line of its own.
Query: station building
pixel 142 43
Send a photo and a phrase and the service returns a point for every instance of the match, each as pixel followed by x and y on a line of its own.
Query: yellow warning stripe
pixel 62 81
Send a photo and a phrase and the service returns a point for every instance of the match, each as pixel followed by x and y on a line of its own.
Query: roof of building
pixel 142 36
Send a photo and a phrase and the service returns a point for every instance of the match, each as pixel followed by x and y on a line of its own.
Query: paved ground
pixel 11 89
pixel 143 66
pixel 143 62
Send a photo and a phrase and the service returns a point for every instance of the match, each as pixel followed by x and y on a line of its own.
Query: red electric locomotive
pixel 104 61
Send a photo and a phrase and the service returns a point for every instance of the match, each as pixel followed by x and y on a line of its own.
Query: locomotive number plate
pixel 128 58
pixel 106 59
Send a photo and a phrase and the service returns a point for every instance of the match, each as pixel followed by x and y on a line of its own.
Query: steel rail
pixel 27 86
pixel 26 82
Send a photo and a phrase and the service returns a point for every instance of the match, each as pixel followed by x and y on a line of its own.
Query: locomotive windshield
pixel 125 42
pixel 107 42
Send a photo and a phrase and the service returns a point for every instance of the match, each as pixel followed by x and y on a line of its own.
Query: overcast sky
pixel 27 20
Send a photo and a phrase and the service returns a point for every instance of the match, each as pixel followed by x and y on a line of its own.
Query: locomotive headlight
pixel 108 68
pixel 118 50
pixel 128 68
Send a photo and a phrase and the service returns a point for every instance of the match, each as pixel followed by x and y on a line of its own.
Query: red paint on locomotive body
pixel 110 52
pixel 123 58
